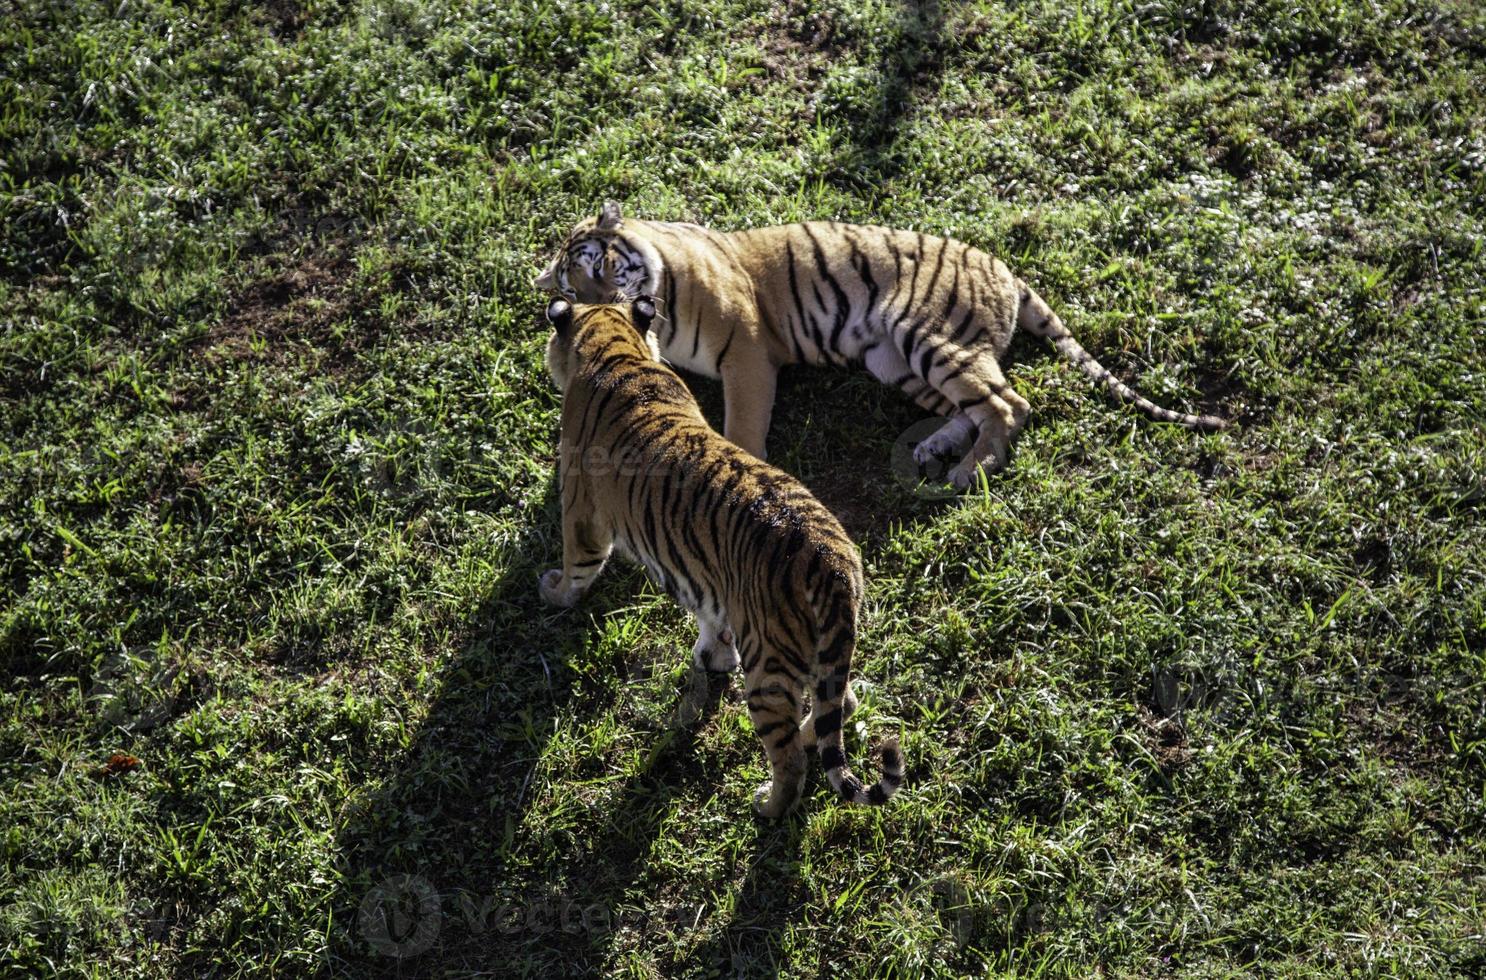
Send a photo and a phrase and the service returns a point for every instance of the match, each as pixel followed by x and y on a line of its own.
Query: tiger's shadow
pixel 447 865
pixel 466 811
pixel 457 860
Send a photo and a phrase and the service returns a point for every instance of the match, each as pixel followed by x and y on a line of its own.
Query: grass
pixel 276 482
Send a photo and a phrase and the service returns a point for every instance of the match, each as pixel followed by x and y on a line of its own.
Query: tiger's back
pixel 838 292
pixel 773 579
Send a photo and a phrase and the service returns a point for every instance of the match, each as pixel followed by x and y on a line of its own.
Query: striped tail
pixel 1035 316
pixel 831 693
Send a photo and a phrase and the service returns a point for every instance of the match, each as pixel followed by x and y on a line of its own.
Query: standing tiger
pixel 766 569
pixel 929 315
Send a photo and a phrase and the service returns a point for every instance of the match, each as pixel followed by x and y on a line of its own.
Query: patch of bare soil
pixel 295 307
pixel 1227 397
pixel 1165 739
pixel 797 46
pixel 285 18
pixel 854 490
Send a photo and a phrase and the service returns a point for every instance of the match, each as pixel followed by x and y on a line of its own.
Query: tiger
pixel 931 316
pixel 774 582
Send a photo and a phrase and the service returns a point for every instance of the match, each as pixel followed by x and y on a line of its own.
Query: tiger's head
pixel 568 321
pixel 602 262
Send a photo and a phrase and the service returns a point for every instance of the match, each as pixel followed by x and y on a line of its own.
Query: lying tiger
pixel 931 316
pixel 765 567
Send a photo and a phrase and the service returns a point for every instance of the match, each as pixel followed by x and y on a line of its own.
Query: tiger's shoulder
pixel 630 424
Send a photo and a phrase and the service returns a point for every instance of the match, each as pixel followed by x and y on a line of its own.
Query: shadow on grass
pixel 440 836
pixel 460 861
pixel 911 60
pixel 452 868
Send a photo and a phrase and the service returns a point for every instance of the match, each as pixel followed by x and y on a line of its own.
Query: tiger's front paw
pixel 717 652
pixel 764 805
pixel 555 590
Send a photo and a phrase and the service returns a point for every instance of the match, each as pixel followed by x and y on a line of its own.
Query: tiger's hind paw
pixel 938 447
pixel 556 591
pixel 946 442
pixel 966 477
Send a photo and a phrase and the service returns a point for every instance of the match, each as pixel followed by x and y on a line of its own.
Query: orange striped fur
pixel 772 578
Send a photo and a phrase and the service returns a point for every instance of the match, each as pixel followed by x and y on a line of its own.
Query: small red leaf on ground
pixel 117 763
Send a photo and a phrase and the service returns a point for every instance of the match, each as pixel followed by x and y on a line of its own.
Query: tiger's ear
pixel 547 281
pixel 609 216
pixel 642 311
pixel 560 315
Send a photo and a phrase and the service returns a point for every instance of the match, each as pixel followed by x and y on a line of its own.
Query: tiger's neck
pixel 602 345
pixel 707 284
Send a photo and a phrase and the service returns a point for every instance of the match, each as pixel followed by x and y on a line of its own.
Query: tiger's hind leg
pixel 998 414
pixel 970 377
pixel 774 708
pixel 807 726
pixel 889 367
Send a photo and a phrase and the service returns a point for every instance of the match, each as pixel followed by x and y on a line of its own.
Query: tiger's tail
pixel 828 714
pixel 1035 316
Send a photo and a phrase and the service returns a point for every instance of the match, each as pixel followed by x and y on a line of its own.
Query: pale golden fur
pixel 932 316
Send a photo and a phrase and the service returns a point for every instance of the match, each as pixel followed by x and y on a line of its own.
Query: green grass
pixel 276 479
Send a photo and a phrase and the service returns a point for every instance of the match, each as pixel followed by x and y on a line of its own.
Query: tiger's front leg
pixel 748 385
pixel 586 546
